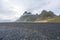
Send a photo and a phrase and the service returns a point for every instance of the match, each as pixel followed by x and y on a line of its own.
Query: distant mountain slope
pixel 47 14
pixel 44 16
pixel 27 16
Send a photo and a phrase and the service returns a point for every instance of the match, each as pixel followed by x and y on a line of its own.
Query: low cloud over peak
pixel 14 8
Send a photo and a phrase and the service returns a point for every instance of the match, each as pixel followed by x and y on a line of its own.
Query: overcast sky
pixel 13 9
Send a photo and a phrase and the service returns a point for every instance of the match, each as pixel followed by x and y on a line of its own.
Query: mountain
pixel 27 16
pixel 45 13
pixel 44 16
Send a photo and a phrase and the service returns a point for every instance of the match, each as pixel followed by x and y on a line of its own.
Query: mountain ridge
pixel 44 16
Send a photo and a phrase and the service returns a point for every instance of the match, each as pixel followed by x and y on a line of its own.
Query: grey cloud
pixel 28 5
pixel 31 5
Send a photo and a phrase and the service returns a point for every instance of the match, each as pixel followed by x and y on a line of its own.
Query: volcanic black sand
pixel 29 31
